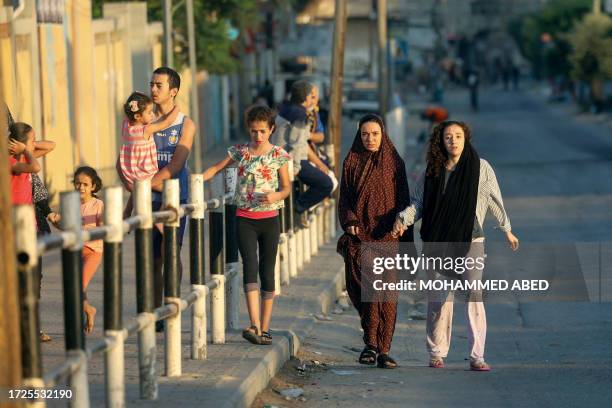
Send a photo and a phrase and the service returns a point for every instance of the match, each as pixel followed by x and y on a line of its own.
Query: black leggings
pixel 264 232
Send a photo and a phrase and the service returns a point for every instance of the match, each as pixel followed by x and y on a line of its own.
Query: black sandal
pixel 384 361
pixel 252 335
pixel 367 356
pixel 266 339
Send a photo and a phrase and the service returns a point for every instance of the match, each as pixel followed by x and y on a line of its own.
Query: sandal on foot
pixel 479 366
pixel 44 337
pixel 436 362
pixel 384 361
pixel 265 338
pixel 251 335
pixel 367 356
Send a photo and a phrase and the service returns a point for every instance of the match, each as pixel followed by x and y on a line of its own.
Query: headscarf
pixel 374 187
pixel 449 212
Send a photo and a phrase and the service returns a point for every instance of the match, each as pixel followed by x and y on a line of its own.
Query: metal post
pixel 231 253
pixel 195 106
pixel 292 238
pixel 337 80
pixel 168 48
pixel 196 254
pixel 113 302
pixel 314 234
pixel 72 279
pixel 306 241
pixel 283 250
pixel 172 284
pixel 27 262
pixel 277 275
pixel 144 290
pixel 217 268
pixel 332 218
pixel 383 72
pixel 299 248
pixel 321 210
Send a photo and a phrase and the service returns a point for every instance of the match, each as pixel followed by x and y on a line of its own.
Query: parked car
pixel 362 98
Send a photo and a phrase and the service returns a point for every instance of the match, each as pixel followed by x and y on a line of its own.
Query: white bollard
pixel 314 234
pixel 217 310
pixel 299 249
pixel 292 254
pixel 277 275
pixel 198 324
pixel 77 382
pixel 233 296
pixel 332 218
pixel 321 224
pixel 283 249
pixel 172 334
pixel 114 358
pixel 306 244
pixel 147 351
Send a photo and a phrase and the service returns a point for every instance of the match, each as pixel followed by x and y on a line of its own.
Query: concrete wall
pixel 68 76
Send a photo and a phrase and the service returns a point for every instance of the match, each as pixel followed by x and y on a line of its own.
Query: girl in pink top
pixel 22 162
pixel 138 155
pixel 88 183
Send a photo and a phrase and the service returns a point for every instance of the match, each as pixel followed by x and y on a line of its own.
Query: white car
pixel 361 99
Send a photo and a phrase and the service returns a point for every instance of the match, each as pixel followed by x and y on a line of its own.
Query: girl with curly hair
pixel 452 197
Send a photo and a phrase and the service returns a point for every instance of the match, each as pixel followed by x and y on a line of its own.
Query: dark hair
pixel 19 131
pixel 260 113
pixel 174 79
pixel 140 101
pixel 437 154
pixel 92 174
pixel 300 91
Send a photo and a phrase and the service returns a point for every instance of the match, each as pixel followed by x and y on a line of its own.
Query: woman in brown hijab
pixel 374 187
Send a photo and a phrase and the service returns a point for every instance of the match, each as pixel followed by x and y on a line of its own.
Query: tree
pixel 591 59
pixel 555 20
pixel 214 22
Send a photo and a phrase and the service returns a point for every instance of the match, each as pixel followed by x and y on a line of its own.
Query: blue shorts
pixel 158 237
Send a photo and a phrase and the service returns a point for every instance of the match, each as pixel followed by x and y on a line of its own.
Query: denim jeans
pixel 319 186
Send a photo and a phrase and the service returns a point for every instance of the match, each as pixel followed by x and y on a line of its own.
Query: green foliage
pixel 557 18
pixel 591 40
pixel 213 19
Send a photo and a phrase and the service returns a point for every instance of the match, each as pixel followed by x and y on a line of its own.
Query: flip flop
pixel 251 335
pixel 436 363
pixel 479 366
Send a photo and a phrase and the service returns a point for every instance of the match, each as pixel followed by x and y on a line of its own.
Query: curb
pixel 287 345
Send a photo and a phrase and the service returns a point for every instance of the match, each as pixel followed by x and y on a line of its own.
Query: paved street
pixel 555 172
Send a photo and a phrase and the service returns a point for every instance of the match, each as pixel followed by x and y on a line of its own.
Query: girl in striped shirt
pixel 138 155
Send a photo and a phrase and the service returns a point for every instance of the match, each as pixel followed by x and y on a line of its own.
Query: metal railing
pixel 296 248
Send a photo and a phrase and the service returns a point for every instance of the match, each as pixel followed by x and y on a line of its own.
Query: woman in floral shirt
pixel 261 168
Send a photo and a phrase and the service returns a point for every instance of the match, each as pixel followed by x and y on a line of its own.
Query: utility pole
pixel 597 7
pixel 336 80
pixel 10 335
pixel 195 105
pixel 169 51
pixel 383 70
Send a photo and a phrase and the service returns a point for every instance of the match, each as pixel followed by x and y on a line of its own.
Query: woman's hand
pixel 268 197
pixel 352 230
pixel 398 228
pixel 512 240
pixel 54 218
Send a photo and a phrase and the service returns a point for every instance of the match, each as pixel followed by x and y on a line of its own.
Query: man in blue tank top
pixel 173 148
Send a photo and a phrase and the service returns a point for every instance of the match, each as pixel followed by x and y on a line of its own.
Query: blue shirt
pixel 166 142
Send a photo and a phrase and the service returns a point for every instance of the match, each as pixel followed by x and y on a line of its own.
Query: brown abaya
pixel 373 190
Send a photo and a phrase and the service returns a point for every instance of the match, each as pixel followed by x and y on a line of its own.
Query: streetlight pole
pixel 336 80
pixel 596 6
pixel 383 69
pixel 195 105
pixel 169 57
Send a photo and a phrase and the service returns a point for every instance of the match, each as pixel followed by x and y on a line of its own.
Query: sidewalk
pixel 234 372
